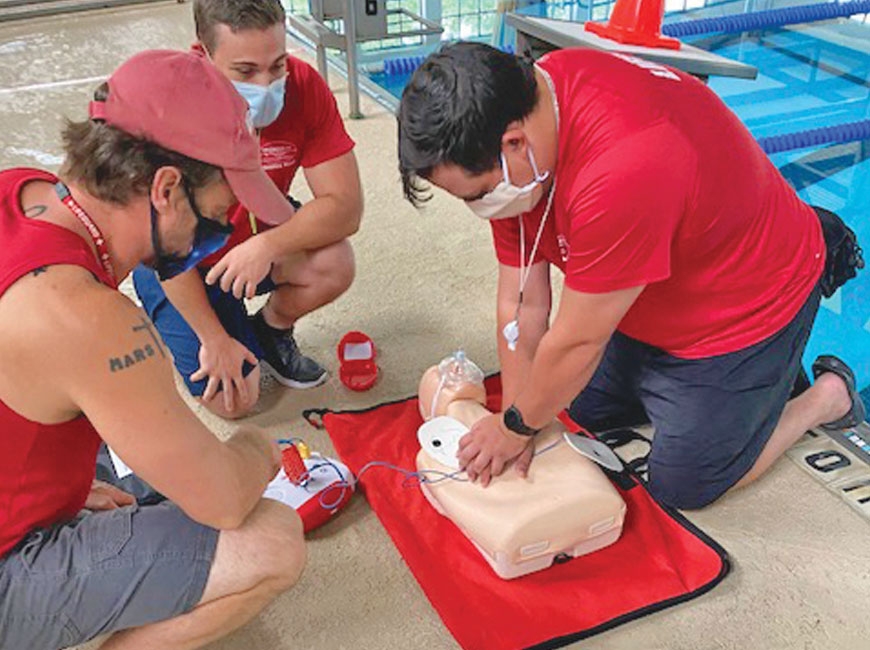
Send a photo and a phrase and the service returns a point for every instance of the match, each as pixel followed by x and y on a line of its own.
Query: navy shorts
pixel 712 416
pixel 103 572
pixel 180 338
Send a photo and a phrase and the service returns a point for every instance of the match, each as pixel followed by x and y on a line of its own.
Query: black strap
pixel 620 437
pixel 617 438
pixel 314 417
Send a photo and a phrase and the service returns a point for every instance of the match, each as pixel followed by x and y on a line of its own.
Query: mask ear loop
pixel 538 176
pixel 504 169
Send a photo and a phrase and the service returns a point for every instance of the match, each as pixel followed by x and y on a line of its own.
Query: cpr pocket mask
pixel 356 357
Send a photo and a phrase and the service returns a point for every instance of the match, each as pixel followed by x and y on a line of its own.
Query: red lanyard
pixel 79 213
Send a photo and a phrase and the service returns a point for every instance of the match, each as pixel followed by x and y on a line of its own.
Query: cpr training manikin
pixel 565 507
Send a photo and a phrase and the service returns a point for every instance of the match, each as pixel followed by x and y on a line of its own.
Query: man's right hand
pixel 220 361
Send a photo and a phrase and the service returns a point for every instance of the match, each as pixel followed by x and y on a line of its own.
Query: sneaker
pixel 282 358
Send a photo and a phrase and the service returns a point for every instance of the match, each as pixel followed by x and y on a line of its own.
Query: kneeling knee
pixel 685 490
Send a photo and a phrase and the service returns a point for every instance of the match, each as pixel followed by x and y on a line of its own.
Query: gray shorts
pixel 102 572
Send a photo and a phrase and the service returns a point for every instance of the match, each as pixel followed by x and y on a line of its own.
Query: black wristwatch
pixel 513 420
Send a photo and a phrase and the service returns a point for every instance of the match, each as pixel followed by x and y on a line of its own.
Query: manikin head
pixel 247 42
pixel 464 125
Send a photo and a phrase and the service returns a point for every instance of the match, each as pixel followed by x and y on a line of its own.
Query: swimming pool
pixel 804 82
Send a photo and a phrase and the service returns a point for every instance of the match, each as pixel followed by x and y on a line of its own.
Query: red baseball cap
pixel 182 102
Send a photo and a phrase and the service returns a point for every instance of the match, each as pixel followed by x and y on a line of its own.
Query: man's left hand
pixel 243 267
pixel 488 449
pixel 104 496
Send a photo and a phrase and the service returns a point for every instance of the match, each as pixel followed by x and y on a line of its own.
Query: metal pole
pixel 321 61
pixel 352 72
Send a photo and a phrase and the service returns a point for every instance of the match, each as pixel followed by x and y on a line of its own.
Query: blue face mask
pixel 265 102
pixel 210 236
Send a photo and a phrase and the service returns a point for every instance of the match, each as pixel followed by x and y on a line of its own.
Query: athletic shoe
pixel 282 358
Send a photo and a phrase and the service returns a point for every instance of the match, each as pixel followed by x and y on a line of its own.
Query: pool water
pixel 804 82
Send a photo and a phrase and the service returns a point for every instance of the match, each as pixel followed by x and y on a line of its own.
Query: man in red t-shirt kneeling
pixel 300 255
pixel 692 269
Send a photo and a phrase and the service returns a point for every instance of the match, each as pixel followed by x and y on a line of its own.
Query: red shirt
pixel 46 470
pixel 659 184
pixel 308 131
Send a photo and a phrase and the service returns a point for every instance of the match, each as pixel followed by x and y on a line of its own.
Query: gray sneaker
pixel 282 358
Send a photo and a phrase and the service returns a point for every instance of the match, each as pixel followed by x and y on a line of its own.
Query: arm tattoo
pixel 39 270
pixel 149 328
pixel 138 354
pixel 35 211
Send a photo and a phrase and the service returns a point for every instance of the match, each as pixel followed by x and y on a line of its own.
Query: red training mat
pixel 660 560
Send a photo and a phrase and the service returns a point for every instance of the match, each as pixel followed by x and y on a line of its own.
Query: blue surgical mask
pixel 210 236
pixel 265 102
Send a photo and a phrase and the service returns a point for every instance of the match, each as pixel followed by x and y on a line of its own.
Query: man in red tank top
pixel 147 179
pixel 691 269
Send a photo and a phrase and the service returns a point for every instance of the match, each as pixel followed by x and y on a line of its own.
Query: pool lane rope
pixel 767 19
pixel 837 134
pixel 407 64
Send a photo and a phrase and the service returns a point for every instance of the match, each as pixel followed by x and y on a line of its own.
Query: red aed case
pixel 356 355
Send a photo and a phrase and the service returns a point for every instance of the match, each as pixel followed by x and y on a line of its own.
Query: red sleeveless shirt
pixel 45 469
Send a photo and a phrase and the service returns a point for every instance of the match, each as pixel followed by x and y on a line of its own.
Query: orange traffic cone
pixel 636 22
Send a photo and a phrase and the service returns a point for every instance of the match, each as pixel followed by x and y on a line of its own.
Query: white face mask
pixel 266 102
pixel 507 200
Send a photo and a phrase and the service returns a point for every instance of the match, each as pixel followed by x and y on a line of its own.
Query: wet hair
pixel 235 14
pixel 456 108
pixel 114 166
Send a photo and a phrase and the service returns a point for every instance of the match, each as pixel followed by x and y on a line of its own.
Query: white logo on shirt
pixel 564 247
pixel 278 154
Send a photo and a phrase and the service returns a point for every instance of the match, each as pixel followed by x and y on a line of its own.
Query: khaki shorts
pixel 102 572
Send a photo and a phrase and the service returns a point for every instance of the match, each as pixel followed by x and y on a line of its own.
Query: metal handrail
pixel 322 36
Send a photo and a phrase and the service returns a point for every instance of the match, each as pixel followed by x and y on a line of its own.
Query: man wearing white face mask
pixel 304 262
pixel 692 270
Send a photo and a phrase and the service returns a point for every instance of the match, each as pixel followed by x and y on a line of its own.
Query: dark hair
pixel 456 108
pixel 235 14
pixel 115 166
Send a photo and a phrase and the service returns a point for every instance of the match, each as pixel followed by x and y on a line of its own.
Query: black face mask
pixel 210 237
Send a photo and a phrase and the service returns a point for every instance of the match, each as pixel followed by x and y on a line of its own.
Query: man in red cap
pixel 303 263
pixel 147 179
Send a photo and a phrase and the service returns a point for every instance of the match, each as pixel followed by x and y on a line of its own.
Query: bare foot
pixel 834 394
